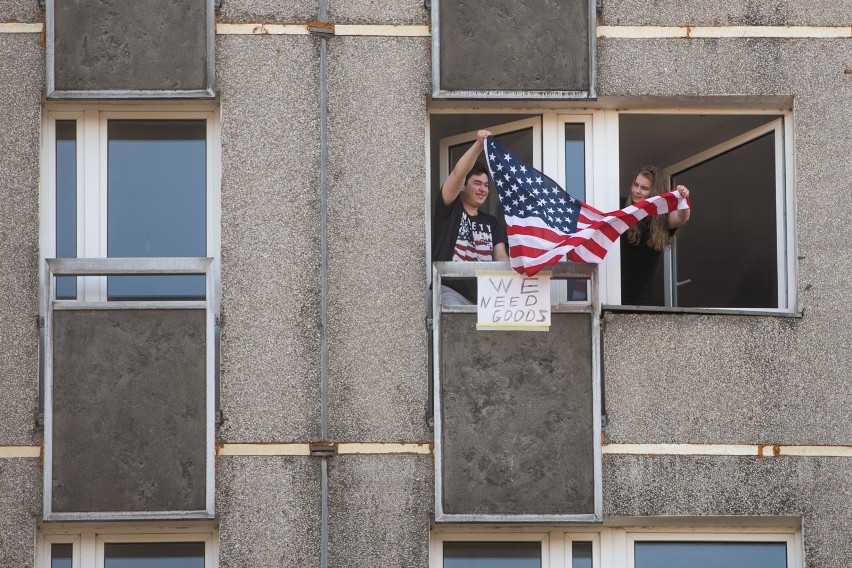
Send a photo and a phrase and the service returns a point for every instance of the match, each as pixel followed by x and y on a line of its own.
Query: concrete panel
pixel 20 506
pixel 105 45
pixel 129 411
pixel 379 510
pixel 270 238
pixel 727 13
pixel 516 418
pixel 21 82
pixel 816 489
pixel 747 379
pixel 269 511
pixel 20 11
pixel 377 336
pixel 399 12
pixel 277 11
pixel 497 45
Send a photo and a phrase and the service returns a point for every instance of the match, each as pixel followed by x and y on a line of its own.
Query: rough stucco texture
pixel 27 11
pixel 270 238
pixel 20 504
pixel 377 336
pixel 269 512
pixel 21 82
pixel 400 12
pixel 379 508
pixel 812 488
pixel 277 11
pixel 747 379
pixel 726 13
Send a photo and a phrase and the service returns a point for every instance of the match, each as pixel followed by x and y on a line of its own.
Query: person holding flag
pixel 460 231
pixel 545 224
pixel 643 243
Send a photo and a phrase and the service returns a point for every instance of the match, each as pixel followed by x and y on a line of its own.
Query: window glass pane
pixel 60 555
pixel 156 201
pixel 154 555
pixel 492 555
pixel 710 554
pixel 575 185
pixel 581 555
pixel 66 202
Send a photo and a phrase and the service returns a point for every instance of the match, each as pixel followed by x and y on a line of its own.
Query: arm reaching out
pixel 454 184
pixel 681 216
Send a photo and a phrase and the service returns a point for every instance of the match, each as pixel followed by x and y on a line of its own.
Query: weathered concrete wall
pixel 270 237
pixel 269 512
pixel 376 234
pixel 379 509
pixel 21 82
pixel 747 379
pixel 814 488
pixel 725 13
pixel 20 502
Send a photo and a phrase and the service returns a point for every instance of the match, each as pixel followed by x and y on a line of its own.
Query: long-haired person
pixel 643 243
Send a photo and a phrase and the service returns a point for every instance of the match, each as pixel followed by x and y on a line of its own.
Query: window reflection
pixel 581 554
pixel 154 555
pixel 492 555
pixel 710 554
pixel 156 202
pixel 66 202
pixel 60 555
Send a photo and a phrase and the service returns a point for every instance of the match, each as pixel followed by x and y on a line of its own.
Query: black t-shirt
pixel 460 237
pixel 639 264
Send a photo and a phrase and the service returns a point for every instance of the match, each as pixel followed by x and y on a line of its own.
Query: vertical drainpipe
pixel 323 17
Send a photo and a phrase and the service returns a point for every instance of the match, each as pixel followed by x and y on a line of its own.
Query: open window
pixel 736 250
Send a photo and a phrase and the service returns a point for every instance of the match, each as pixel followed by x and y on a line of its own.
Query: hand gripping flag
pixel 544 223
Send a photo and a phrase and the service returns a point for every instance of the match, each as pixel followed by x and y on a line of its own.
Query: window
pixel 455 546
pixel 67 546
pixel 737 252
pixel 130 184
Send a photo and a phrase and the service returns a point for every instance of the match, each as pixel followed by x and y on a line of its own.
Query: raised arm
pixel 681 216
pixel 454 184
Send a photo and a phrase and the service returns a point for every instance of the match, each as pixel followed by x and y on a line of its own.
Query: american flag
pixel 544 223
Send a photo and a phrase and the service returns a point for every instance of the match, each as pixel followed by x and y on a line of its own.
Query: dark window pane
pixel 711 554
pixel 156 201
pixel 581 555
pixel 154 555
pixel 66 202
pixel 492 555
pixel 60 555
pixel 575 185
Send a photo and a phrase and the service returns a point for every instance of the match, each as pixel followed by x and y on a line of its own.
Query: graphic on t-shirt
pixel 474 243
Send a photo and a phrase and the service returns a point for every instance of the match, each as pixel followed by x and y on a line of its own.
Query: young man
pixel 462 233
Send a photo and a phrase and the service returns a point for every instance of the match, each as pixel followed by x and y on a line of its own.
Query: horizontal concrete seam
pixel 340 29
pixel 20 28
pixel 20 451
pixel 300 449
pixel 692 32
pixel 759 450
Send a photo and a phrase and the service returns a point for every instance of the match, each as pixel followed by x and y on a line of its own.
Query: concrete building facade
pixel 723 422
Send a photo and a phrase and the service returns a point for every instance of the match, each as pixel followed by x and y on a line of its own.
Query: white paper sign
pixel 507 300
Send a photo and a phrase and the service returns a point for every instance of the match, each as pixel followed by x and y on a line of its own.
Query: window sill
pixel 702 311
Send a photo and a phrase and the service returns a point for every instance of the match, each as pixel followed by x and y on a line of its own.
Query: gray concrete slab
pixel 276 11
pixel 21 84
pixel 816 489
pixel 20 506
pixel 270 237
pixel 20 11
pixel 725 13
pixel 269 511
pixel 377 336
pixel 379 510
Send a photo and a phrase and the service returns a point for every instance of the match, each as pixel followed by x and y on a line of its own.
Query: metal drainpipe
pixel 323 17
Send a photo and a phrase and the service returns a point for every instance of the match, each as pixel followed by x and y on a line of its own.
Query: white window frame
pixel 612 547
pixel 603 184
pixel 92 180
pixel 89 540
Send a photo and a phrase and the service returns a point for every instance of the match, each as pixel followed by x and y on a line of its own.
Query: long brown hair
pixel 659 236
